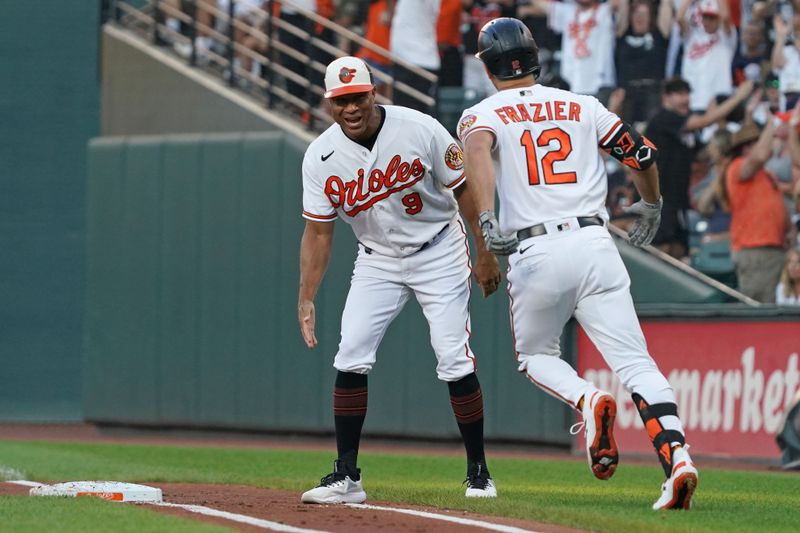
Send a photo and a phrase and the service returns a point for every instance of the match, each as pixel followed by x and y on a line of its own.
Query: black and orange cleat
pixel 599 412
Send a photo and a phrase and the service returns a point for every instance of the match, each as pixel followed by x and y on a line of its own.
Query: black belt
pixel 540 229
pixel 430 242
pixel 426 245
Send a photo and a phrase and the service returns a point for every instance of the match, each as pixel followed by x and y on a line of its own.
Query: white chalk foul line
pixel 8 472
pixel 25 483
pixel 445 518
pixel 244 519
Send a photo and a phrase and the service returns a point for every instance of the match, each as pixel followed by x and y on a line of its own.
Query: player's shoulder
pixel 486 106
pixel 324 143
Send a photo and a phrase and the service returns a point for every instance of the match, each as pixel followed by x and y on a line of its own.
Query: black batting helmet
pixel 507 48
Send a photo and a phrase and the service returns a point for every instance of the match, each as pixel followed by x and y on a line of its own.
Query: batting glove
pixel 494 241
pixel 646 226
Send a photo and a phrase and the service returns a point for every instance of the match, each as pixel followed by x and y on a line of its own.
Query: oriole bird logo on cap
pixel 346 74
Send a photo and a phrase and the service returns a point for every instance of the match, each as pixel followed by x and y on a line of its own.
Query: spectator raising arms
pixel 672 130
pixel 759 221
pixel 788 290
pixel 641 55
pixel 709 42
pixel 588 31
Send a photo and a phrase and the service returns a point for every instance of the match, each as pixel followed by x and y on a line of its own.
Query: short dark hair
pixel 676 85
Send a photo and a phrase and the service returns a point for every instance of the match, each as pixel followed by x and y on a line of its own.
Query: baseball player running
pixel 391 173
pixel 539 146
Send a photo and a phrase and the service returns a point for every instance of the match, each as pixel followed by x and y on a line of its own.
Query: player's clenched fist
pixel 306 316
pixel 494 241
pixel 646 225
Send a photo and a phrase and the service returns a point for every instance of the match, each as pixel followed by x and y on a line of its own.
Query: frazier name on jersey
pixel 539 112
pixel 360 194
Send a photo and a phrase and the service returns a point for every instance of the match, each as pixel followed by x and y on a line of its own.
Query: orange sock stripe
pixel 469 408
pixel 469 419
pixel 470 414
pixel 350 402
pixel 345 393
pixel 463 400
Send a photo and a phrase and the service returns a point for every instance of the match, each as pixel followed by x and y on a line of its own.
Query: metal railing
pixel 680 265
pixel 257 35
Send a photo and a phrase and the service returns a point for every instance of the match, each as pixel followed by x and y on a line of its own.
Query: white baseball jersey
pixel 550 166
pixel 707 62
pixel 413 35
pixel 587 45
pixel 396 196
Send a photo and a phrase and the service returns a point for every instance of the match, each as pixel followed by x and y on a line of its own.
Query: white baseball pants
pixel 578 271
pixel 439 278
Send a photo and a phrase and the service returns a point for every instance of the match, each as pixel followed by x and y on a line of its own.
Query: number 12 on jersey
pixel 551 177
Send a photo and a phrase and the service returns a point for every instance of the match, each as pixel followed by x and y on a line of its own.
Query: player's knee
pixel 643 374
pixel 354 362
pixel 454 369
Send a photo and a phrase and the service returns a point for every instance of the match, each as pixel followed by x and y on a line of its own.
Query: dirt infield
pixel 285 508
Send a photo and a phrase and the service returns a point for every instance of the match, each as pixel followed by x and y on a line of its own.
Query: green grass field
pixel 562 492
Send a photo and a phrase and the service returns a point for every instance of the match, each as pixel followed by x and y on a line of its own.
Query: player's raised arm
pixel 315 251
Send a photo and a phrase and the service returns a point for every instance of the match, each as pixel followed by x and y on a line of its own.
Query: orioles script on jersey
pixel 539 112
pixel 360 194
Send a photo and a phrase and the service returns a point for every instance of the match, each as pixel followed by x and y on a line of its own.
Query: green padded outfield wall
pixel 49 109
pixel 192 289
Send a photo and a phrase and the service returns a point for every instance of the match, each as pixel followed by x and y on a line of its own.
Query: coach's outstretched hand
pixel 494 241
pixel 306 316
pixel 646 225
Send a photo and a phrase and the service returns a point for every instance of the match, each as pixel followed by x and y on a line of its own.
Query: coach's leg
pixel 349 412
pixel 441 283
pixel 374 300
pixel 372 303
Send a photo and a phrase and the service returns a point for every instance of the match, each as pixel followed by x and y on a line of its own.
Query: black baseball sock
pixel 662 439
pixel 466 399
pixel 349 412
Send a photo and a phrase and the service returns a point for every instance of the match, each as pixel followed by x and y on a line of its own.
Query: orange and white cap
pixel 347 75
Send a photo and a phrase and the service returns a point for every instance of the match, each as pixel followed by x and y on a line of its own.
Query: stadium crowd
pixel 715 84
